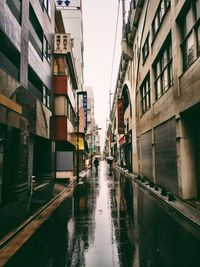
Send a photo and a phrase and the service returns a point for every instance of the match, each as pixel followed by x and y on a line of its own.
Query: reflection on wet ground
pixel 111 222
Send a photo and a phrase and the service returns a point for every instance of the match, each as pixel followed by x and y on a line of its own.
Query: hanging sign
pixel 85 108
pixel 120 110
pixel 62 43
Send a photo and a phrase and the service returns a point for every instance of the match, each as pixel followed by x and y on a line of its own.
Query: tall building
pixel 159 87
pixel 26 67
pixel 71 13
pixel 63 121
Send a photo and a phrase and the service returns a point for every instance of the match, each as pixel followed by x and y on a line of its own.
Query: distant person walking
pixel 96 164
pixel 110 160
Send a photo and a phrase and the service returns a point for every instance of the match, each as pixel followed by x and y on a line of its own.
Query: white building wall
pixel 73 24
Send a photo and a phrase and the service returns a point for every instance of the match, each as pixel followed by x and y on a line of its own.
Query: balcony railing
pixel 8 66
pixel 15 7
pixel 34 91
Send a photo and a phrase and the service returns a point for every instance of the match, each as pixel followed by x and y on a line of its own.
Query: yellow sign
pixel 81 142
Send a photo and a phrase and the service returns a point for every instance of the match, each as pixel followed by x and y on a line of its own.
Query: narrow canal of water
pixel 111 222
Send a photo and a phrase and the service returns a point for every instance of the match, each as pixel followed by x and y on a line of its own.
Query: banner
pixel 85 108
pixel 120 110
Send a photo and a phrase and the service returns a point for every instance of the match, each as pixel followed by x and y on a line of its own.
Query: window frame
pixel 166 67
pixel 158 18
pixel 145 94
pixel 46 96
pixel 46 49
pixel 192 33
pixel 145 48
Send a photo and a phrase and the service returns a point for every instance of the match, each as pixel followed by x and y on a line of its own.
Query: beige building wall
pixel 165 138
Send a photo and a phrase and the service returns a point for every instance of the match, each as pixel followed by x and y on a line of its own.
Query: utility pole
pixel 77 151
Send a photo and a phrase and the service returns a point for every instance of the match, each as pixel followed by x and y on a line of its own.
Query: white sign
pixel 68 3
pixel 62 43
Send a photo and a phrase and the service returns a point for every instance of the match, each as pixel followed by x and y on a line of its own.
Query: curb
pixel 14 240
pixel 177 205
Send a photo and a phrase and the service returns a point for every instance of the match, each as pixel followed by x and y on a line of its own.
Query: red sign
pixel 120 116
pixel 122 140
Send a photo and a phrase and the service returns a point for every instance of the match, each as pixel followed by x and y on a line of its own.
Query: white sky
pixel 99 25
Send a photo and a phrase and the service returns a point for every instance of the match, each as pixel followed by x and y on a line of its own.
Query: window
pixel 46 49
pixel 159 16
pixel 35 32
pixel 47 7
pixel 145 94
pixel 9 57
pixel 190 29
pixel 145 49
pixel 15 7
pixel 163 69
pixel 46 96
pixel 70 112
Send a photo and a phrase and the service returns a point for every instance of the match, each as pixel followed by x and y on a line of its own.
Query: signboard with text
pixel 85 108
pixel 68 4
pixel 62 43
pixel 120 111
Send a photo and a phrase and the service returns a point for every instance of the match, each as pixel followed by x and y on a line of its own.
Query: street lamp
pixel 84 94
pixel 93 130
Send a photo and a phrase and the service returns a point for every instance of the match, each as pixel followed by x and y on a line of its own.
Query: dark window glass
pixel 145 94
pixel 190 44
pixel 159 16
pixel 145 49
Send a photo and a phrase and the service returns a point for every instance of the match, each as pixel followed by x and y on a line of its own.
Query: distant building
pixel 92 134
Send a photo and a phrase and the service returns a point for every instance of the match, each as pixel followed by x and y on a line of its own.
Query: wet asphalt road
pixel 111 222
pixel 94 221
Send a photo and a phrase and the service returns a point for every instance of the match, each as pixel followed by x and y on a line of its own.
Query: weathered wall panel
pixel 165 155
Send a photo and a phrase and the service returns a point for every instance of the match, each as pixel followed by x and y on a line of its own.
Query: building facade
pixel 159 86
pixel 26 67
pixel 63 121
pixel 73 23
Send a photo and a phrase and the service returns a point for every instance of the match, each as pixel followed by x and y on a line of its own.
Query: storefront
pixel 125 145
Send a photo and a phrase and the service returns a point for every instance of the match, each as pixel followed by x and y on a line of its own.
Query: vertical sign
pixel 85 108
pixel 62 43
pixel 120 110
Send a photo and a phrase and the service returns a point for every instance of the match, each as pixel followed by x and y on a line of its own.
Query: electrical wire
pixel 114 48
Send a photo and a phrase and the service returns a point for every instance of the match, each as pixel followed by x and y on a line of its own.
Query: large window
pixel 35 32
pixel 46 49
pixel 163 69
pixel 145 94
pixel 190 29
pixel 46 96
pixel 159 16
pixel 145 49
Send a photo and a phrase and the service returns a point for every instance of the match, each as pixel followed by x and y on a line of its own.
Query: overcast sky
pixel 99 26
